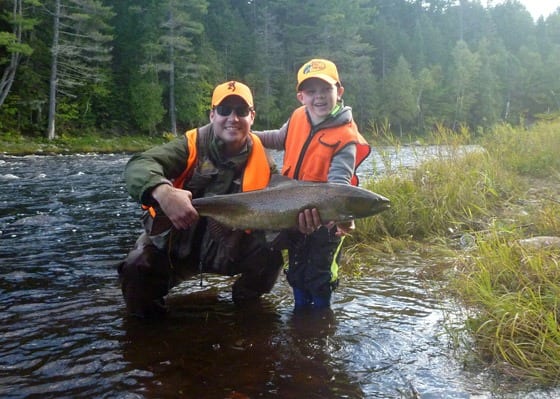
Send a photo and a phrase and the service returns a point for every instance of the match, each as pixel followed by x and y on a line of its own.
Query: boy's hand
pixel 309 221
pixel 345 228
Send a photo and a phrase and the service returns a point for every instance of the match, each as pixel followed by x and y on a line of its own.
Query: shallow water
pixel 65 221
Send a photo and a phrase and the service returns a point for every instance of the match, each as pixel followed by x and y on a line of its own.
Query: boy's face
pixel 319 97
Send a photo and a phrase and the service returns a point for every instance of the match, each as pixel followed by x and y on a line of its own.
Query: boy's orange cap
pixel 232 88
pixel 318 68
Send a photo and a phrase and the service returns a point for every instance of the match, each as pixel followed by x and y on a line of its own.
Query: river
pixel 65 222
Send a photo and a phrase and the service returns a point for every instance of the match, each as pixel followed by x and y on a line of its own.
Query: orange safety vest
pixel 255 176
pixel 308 156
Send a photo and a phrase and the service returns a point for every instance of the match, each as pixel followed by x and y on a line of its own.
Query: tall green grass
pixel 441 196
pixel 511 296
pixel 531 152
pixel 508 191
pixel 512 292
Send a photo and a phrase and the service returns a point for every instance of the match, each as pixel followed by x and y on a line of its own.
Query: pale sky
pixel 539 7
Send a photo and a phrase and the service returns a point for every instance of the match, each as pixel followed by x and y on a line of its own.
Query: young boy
pixel 321 143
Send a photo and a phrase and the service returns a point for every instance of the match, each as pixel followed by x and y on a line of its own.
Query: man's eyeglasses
pixel 240 110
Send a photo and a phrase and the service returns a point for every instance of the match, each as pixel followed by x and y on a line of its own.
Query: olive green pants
pixel 158 263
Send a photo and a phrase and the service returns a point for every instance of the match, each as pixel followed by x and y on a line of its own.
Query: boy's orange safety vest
pixel 321 147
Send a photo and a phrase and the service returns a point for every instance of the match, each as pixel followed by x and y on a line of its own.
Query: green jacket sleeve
pixel 158 165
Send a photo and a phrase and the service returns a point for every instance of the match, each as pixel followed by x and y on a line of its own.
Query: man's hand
pixel 176 204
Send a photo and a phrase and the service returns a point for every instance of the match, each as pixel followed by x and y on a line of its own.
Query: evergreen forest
pixel 121 67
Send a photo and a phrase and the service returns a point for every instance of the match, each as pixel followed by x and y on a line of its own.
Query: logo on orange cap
pixel 232 88
pixel 320 69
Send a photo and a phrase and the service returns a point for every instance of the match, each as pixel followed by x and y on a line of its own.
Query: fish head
pixel 363 203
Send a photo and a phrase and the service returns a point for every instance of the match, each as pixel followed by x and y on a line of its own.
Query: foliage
pixel 80 55
pixel 399 102
pixel 146 104
pixel 410 64
pixel 12 44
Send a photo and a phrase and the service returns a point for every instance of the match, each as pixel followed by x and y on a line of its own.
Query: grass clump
pixel 512 295
pixel 445 195
pixel 511 290
pixel 532 152
pixel 504 193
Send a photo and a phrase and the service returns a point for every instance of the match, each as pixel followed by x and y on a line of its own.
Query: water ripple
pixel 65 222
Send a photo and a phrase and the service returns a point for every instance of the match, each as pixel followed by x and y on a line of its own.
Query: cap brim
pixel 325 78
pixel 231 95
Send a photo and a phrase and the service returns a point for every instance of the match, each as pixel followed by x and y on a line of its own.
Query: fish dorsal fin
pixel 277 180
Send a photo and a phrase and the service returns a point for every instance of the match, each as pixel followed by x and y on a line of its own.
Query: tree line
pixel 69 67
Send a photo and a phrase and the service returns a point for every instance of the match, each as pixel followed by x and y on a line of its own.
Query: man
pixel 222 157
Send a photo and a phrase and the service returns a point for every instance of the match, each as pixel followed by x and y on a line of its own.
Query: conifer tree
pixel 13 43
pixel 80 50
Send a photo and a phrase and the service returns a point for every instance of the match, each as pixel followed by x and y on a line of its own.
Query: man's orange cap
pixel 232 88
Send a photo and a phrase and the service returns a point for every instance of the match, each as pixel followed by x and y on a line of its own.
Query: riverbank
pixel 490 220
pixel 21 145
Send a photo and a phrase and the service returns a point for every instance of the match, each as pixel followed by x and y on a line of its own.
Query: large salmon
pixel 277 206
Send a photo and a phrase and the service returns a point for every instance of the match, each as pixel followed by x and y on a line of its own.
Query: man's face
pixel 232 120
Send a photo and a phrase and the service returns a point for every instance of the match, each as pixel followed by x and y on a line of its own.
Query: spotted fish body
pixel 277 206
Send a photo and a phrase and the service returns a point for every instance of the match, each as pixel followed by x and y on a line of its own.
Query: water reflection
pixel 65 221
pixel 215 349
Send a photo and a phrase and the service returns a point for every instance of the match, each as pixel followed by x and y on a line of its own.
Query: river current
pixel 66 221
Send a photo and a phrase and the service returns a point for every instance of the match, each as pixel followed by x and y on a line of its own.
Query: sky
pixel 540 7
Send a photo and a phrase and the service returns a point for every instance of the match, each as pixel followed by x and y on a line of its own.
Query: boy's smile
pixel 319 97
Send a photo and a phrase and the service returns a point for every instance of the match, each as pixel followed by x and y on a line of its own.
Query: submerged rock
pixel 540 242
pixel 41 219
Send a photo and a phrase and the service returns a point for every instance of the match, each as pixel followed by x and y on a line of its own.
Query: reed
pixel 532 152
pixel 511 295
pixel 444 195
pixel 506 191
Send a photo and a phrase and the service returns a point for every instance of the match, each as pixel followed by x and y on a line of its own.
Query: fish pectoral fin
pixel 346 218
